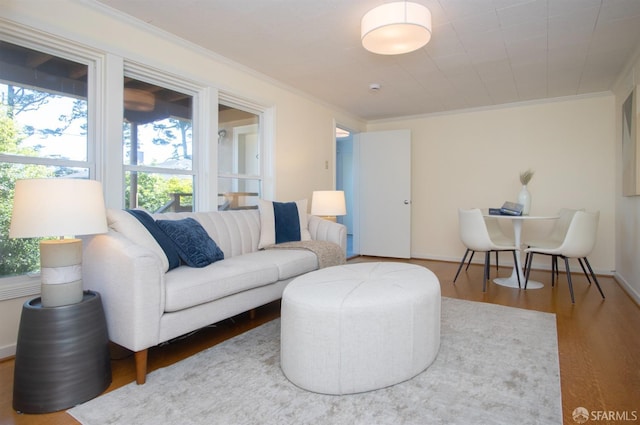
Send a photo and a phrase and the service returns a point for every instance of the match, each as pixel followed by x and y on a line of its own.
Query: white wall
pixel 627 208
pixel 474 158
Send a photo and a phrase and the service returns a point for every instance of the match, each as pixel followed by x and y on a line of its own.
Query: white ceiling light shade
pixel 396 28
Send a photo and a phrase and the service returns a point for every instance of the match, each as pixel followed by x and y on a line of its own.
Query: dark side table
pixel 62 355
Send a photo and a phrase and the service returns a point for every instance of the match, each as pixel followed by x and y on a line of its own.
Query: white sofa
pixel 146 305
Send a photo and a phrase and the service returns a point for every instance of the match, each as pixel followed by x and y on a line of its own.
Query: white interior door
pixel 384 193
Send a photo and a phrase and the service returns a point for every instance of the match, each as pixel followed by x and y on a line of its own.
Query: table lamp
pixel 328 204
pixel 58 208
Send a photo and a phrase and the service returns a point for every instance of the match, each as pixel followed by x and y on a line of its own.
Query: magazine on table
pixel 508 208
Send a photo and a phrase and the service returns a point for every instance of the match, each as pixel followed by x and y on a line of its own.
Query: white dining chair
pixel 475 236
pixel 553 239
pixel 578 243
pixel 498 237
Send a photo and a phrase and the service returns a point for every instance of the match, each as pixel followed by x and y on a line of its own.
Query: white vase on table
pixel 524 198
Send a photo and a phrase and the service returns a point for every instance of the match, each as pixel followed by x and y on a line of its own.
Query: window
pixel 157 148
pixel 239 158
pixel 56 120
pixel 43 133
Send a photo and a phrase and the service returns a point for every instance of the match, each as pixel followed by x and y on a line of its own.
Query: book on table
pixel 508 208
pixel 511 208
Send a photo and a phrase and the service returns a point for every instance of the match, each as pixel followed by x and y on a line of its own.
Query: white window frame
pixel 201 110
pixel 104 105
pixel 29 284
pixel 266 137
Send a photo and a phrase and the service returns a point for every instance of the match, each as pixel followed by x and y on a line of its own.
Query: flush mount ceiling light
pixel 139 100
pixel 396 28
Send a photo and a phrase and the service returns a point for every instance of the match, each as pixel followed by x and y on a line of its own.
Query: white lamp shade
pixel 57 207
pixel 328 203
pixel 396 28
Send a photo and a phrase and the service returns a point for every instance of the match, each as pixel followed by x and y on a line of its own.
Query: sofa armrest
pixel 130 280
pixel 325 230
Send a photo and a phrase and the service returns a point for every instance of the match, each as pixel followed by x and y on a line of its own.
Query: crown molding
pixel 523 103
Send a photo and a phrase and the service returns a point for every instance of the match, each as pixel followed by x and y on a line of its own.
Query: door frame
pixel 356 200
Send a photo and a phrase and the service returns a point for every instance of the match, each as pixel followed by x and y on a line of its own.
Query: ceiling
pixel 482 52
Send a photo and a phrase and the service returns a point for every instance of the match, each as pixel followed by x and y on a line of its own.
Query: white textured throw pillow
pixel 268 223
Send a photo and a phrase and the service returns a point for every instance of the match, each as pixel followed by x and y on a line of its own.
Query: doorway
pixel 345 182
pixel 376 225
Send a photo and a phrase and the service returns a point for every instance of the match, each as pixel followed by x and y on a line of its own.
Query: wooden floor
pixel 598 340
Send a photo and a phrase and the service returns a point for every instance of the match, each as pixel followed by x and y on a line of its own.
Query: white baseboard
pixel 508 262
pixel 7 351
pixel 633 293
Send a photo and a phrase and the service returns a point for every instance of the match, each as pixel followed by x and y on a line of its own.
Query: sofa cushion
pixel 290 262
pixel 168 246
pixel 282 222
pixel 187 287
pixel 193 243
pixel 127 225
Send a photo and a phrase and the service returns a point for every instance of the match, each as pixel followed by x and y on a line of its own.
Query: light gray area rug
pixel 496 365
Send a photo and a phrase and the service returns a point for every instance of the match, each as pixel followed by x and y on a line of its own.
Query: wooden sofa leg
pixel 141 366
pixel 252 313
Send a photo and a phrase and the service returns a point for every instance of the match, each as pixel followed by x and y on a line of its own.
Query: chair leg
pixel 497 261
pixel 470 258
pixel 527 267
pixel 566 265
pixel 593 275
pixel 554 270
pixel 584 270
pixel 515 261
pixel 461 263
pixel 487 256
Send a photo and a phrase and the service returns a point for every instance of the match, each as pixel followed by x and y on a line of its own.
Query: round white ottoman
pixel 359 327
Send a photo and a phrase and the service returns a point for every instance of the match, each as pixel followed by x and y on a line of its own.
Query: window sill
pixel 19 286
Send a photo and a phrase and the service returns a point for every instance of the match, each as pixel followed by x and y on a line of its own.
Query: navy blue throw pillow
pixel 161 237
pixel 195 246
pixel 287 221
